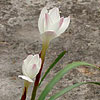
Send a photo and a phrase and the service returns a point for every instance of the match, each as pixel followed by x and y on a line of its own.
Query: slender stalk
pixel 42 55
pixel 26 85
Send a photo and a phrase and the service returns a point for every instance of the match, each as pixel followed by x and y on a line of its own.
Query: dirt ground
pixel 19 36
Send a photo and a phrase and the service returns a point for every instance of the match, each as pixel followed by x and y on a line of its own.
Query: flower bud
pixel 30 68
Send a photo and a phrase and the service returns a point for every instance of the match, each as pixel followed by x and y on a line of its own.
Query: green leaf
pixel 59 75
pixel 65 90
pixel 52 65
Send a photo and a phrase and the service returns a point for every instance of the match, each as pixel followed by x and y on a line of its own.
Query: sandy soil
pixel 19 36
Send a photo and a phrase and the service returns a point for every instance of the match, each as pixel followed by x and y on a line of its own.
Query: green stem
pixel 34 92
pixel 42 55
pixel 26 85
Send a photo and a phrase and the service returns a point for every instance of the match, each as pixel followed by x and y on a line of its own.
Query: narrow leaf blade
pixel 59 75
pixel 65 90
pixel 52 65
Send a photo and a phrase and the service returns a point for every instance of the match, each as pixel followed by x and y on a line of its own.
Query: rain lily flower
pixel 51 25
pixel 30 68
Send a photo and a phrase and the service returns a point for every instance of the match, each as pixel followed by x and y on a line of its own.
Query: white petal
pixel 35 59
pixel 24 69
pixel 39 63
pixel 61 21
pixel 29 63
pixel 32 71
pixel 55 27
pixel 41 20
pixel 47 22
pixel 26 63
pixel 26 78
pixel 64 25
pixel 27 60
pixel 54 14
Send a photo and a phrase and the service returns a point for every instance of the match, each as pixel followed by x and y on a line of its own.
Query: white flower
pixel 51 25
pixel 30 68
